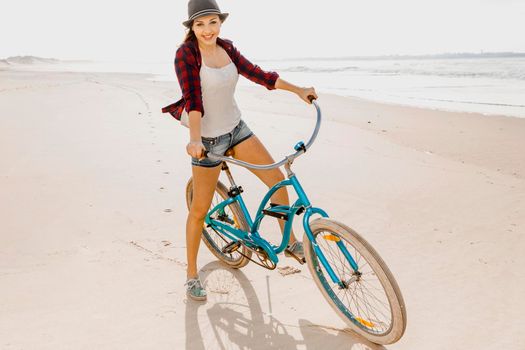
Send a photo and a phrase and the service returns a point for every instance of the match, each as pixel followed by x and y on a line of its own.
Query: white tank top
pixel 221 113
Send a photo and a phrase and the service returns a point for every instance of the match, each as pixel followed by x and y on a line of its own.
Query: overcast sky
pixel 151 31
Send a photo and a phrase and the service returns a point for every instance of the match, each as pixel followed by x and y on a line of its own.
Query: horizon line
pixel 450 55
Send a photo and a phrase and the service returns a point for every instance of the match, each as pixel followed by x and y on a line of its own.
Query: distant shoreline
pixel 29 59
pixel 37 60
pixel 463 55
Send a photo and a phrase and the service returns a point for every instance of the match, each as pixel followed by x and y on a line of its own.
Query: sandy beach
pixel 92 242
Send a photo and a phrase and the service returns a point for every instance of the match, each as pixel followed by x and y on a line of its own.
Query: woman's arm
pixel 270 80
pixel 195 146
pixel 187 71
pixel 194 119
pixel 303 93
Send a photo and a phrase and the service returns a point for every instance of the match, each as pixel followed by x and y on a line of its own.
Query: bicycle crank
pixel 234 246
pixel 231 247
pixel 301 261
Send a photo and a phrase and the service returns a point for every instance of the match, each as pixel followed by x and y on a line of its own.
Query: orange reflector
pixel 331 238
pixel 365 322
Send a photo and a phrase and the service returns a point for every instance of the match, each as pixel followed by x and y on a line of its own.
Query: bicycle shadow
pixel 233 318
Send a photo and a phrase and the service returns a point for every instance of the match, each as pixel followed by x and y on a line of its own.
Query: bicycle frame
pixel 252 238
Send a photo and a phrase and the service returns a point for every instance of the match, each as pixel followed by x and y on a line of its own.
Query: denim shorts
pixel 220 144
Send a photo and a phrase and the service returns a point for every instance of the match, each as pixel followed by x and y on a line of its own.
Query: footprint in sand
pixel 288 270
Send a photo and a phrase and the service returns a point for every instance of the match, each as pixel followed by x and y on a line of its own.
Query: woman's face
pixel 207 29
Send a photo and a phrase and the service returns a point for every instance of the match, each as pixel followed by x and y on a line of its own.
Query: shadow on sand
pixel 232 318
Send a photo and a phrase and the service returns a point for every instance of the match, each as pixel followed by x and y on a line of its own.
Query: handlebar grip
pixel 311 98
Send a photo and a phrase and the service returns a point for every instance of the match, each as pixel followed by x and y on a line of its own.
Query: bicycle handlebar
pixel 300 148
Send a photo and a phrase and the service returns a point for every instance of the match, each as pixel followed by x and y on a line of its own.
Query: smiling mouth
pixel 207 37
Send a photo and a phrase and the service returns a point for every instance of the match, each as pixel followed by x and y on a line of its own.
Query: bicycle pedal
pixel 231 247
pixel 226 219
pixel 288 253
pixel 278 215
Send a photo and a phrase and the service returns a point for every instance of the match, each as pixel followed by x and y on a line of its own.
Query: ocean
pixel 491 84
pixel 487 85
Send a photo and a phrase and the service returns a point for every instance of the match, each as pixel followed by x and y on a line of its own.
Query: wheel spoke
pixel 371 308
pixel 364 298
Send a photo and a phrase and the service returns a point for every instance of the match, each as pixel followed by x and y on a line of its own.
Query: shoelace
pixel 192 283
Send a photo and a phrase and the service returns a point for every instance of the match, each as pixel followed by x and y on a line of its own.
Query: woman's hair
pixel 190 35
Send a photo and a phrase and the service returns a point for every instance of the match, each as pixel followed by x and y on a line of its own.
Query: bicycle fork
pixel 303 199
pixel 333 276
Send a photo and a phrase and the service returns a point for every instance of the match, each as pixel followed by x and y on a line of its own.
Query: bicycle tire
pixel 385 295
pixel 213 241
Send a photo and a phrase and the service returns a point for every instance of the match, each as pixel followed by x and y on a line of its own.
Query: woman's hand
pixel 303 93
pixel 195 149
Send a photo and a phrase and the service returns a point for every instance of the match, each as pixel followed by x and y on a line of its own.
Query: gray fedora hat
pixel 198 8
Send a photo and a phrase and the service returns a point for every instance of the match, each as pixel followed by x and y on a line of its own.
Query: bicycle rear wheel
pixel 231 215
pixel 370 301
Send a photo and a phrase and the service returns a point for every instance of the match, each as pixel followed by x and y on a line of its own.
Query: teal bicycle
pixel 349 272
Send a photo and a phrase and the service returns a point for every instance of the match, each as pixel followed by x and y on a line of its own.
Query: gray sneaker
pixel 296 248
pixel 194 289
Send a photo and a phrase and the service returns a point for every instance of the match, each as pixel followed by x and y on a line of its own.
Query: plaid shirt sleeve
pixel 187 70
pixel 253 72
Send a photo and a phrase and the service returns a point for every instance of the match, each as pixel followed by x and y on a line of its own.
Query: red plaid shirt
pixel 187 66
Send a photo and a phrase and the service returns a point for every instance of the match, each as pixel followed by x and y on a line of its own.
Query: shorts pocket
pixel 208 143
pixel 209 139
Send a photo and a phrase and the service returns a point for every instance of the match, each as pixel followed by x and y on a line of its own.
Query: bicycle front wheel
pixel 231 215
pixel 368 299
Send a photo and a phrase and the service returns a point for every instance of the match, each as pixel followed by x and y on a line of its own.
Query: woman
pixel 208 68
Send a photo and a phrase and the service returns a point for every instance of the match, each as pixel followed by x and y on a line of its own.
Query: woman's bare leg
pixel 204 183
pixel 253 151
